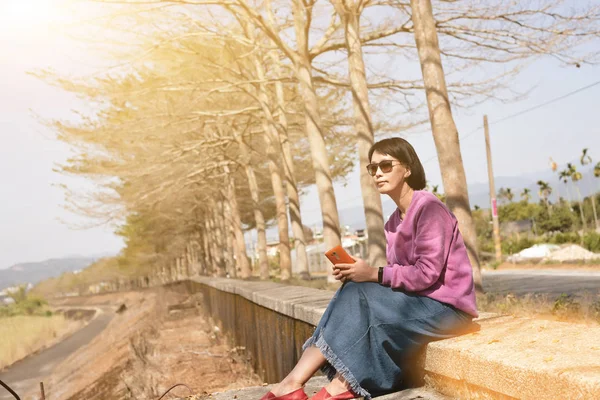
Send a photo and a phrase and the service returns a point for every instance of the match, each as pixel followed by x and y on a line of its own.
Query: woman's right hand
pixel 359 271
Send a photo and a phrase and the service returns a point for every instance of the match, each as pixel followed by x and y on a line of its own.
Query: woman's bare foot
pixel 285 387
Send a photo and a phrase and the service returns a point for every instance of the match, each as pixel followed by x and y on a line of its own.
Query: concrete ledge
pixel 302 303
pixel 507 358
pixel 313 386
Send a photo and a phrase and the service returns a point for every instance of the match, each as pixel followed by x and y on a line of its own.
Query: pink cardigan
pixel 426 254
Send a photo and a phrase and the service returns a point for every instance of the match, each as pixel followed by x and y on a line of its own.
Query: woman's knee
pixel 350 289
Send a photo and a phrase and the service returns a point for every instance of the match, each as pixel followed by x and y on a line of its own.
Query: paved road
pixel 553 282
pixel 26 374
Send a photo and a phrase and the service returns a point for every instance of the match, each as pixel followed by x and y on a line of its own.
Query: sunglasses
pixel 385 166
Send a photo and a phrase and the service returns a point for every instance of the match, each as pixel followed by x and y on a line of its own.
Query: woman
pixel 381 317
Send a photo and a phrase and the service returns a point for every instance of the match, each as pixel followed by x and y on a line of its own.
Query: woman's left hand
pixel 359 271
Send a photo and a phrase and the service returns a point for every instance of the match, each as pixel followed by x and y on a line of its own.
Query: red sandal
pixel 297 394
pixel 323 394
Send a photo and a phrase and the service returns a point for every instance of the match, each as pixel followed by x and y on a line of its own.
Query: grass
pixel 23 335
pixel 579 309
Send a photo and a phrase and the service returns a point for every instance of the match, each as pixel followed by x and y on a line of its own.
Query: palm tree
pixel 526 195
pixel 586 159
pixel 564 176
pixel 575 177
pixel 554 167
pixel 544 192
pixel 509 195
pixel 506 194
pixel 501 194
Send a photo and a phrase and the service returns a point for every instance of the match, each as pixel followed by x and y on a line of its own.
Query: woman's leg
pixel 337 385
pixel 311 360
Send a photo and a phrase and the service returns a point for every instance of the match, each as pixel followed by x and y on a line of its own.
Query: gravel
pixel 572 252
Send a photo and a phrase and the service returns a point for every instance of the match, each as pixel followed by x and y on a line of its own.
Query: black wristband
pixel 380 276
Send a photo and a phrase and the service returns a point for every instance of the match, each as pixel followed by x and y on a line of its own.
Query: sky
pixel 32 218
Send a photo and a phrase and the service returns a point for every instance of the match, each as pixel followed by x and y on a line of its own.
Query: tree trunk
pixel 201 251
pixel 593 200
pixel 350 16
pixel 444 130
pixel 242 259
pixel 217 242
pixel 223 243
pixel 272 141
pixel 285 259
pixel 259 218
pixel 189 257
pixel 230 243
pixel 568 195
pixel 584 223
pixel 290 179
pixel 209 256
pixel 314 132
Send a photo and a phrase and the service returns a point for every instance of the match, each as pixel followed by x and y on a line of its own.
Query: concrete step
pixel 312 387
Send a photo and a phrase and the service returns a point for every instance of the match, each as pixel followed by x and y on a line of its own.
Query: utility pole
pixel 493 201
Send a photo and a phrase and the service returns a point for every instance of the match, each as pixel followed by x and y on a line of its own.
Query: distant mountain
pixel 479 193
pixel 34 272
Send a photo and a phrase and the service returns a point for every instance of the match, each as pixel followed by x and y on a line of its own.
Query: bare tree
pixel 236 225
pixel 349 12
pixel 444 129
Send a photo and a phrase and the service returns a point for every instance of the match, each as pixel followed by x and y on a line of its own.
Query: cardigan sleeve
pixel 433 238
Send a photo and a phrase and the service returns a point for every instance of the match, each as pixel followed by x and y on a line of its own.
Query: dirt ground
pixel 158 339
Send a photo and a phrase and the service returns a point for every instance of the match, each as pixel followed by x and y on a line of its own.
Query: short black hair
pixel 403 151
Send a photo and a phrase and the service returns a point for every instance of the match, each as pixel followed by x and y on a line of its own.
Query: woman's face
pixel 392 181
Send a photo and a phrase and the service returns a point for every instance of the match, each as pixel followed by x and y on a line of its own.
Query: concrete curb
pixel 313 386
pixel 508 358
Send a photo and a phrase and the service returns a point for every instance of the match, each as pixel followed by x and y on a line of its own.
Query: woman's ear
pixel 407 173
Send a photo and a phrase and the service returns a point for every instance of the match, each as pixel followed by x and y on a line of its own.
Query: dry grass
pixel 23 335
pixel 148 348
pixel 584 308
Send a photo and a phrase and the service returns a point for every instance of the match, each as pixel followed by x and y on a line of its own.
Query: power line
pixel 527 110
pixel 503 119
pixel 547 102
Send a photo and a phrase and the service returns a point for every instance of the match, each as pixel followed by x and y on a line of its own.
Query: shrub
pixel 24 305
pixel 565 305
pixel 513 245
pixel 565 237
pixel 591 241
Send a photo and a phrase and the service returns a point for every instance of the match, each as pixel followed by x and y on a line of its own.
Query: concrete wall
pixel 508 358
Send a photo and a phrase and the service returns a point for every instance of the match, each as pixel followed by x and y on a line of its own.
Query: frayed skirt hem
pixel 334 365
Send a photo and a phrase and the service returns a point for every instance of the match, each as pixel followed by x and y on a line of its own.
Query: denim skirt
pixel 369 333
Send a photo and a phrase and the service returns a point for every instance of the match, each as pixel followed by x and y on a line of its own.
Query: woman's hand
pixel 359 271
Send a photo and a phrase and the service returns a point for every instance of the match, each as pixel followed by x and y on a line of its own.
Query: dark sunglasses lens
pixel 386 166
pixel 372 169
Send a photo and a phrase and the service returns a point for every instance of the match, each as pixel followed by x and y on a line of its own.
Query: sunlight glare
pixel 19 16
